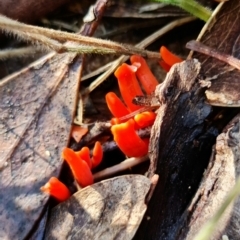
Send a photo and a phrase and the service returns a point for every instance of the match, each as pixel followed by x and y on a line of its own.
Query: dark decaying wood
pixel 179 151
pixel 183 133
pixel 220 176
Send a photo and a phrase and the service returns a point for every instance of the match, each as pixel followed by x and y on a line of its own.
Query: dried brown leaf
pixel 111 209
pixel 37 107
pixel 78 132
pixel 36 111
pixel 223 35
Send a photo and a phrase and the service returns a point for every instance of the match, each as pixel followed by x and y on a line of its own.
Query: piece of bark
pixel 221 175
pixel 111 209
pixel 178 150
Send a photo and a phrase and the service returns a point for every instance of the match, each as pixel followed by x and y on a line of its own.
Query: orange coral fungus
pixel 80 168
pixel 124 133
pixel 130 88
pixel 115 105
pixel 128 85
pixel 127 139
pixel 56 189
pixel 168 57
pixel 144 74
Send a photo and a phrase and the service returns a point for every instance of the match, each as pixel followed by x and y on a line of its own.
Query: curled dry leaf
pixel 223 36
pixel 78 132
pixel 111 209
pixel 36 111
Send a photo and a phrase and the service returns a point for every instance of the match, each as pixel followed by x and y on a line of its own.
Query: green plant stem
pixel 190 6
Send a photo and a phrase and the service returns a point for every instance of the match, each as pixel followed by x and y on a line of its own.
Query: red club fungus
pixel 97 154
pixel 126 77
pixel 145 119
pixel 115 121
pixel 115 105
pixel 164 65
pixel 124 133
pixel 128 85
pixel 144 74
pixel 56 189
pixel 127 139
pixel 168 57
pixel 84 154
pixel 80 168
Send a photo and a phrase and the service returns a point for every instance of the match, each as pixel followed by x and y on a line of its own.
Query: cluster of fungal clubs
pixel 128 77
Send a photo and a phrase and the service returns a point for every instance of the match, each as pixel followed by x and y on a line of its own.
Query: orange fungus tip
pixel 144 74
pixel 136 64
pixel 56 189
pixel 145 119
pixel 115 121
pixel 128 85
pixel 84 154
pixel 80 168
pixel 97 154
pixel 164 65
pixel 115 105
pixel 168 57
pixel 134 68
pixel 127 139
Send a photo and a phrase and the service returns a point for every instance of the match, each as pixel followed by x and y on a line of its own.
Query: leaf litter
pixel 37 107
pixel 32 147
pixel 111 209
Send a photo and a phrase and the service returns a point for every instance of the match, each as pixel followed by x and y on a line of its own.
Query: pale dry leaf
pixel 111 209
pixel 36 111
pixel 222 35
